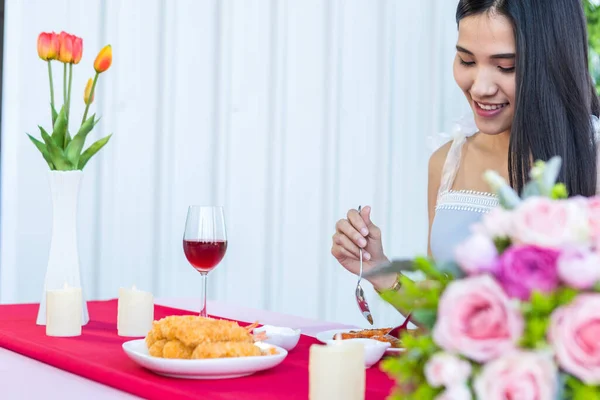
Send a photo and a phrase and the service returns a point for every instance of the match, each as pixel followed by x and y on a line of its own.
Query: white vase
pixel 63 261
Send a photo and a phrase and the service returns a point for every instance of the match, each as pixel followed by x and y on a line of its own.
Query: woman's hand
pixel 356 232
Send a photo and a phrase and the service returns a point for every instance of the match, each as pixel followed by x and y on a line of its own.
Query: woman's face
pixel 484 69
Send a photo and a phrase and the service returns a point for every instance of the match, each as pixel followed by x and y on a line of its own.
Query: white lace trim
pixel 463 128
pixel 467 200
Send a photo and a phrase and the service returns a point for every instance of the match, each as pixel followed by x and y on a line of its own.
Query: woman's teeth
pixel 491 107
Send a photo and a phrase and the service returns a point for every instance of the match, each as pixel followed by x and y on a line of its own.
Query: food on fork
pixel 195 337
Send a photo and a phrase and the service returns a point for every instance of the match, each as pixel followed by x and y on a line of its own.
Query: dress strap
pixel 462 129
pixel 451 165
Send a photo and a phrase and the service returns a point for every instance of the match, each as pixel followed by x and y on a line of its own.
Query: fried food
pixel 226 349
pixel 193 333
pixel 365 333
pixel 379 334
pixel 189 336
pixel 156 349
pixel 176 349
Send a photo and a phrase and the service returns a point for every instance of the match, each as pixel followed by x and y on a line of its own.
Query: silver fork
pixel 359 293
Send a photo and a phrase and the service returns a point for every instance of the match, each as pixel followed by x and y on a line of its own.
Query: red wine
pixel 204 255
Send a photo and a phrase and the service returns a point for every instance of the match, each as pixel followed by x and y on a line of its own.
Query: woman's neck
pixel 497 144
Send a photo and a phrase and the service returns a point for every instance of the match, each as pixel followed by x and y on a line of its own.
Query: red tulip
pixel 103 59
pixel 71 48
pixel 77 49
pixel 66 47
pixel 48 46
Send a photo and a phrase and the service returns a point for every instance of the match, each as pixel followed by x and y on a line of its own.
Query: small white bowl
pixel 374 349
pixel 280 336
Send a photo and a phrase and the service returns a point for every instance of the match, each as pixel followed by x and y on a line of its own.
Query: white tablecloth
pixel 22 378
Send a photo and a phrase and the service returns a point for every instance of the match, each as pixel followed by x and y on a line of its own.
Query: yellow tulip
pixel 88 96
pixel 103 59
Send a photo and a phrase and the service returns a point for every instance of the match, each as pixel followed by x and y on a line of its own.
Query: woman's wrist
pixel 385 282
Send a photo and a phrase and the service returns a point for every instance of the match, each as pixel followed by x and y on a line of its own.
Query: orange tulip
pixel 77 49
pixel 88 96
pixel 65 53
pixel 48 46
pixel 103 59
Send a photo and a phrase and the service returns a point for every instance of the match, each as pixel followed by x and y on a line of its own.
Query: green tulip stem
pixel 51 89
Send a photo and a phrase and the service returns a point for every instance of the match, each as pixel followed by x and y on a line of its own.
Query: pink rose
pixel 495 224
pixel 551 223
pixel 523 269
pixel 476 254
pixel 444 369
pixel 594 218
pixel 457 392
pixel 579 268
pixel 518 375
pixel 574 332
pixel 477 319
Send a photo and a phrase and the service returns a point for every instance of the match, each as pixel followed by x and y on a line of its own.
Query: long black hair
pixel 555 95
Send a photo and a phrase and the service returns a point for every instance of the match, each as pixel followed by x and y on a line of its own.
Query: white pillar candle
pixel 64 311
pixel 337 371
pixel 135 312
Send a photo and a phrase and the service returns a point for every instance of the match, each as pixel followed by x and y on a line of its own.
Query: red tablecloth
pixel 97 355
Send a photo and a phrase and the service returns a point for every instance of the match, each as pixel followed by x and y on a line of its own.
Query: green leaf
pixel 565 295
pixel 54 114
pixel 60 128
pixel 396 266
pixel 502 243
pixel 76 145
pixel 542 303
pixel 93 149
pixel 453 269
pixel 586 393
pixel 42 148
pixel 559 191
pixel 531 189
pixel 426 318
pixel 56 154
pixel 550 175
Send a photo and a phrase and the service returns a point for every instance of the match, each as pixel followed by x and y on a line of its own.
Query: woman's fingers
pixel 351 249
pixel 345 227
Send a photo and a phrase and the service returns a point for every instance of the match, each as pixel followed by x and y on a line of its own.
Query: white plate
pixel 213 368
pixel 323 337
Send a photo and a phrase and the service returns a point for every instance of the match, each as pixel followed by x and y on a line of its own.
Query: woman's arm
pixel 434 177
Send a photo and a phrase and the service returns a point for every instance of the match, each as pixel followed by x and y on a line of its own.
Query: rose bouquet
pixel 516 315
pixel 61 151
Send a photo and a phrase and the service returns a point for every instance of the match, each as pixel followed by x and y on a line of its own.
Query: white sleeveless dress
pixel 457 210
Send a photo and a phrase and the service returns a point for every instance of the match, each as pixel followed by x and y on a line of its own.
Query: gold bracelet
pixel 395 287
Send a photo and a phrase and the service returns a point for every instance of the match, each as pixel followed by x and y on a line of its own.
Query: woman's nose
pixel 483 85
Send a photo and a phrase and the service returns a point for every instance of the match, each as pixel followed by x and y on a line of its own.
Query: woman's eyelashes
pixel 506 70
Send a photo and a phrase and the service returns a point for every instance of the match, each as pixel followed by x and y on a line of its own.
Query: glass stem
pixel 203 294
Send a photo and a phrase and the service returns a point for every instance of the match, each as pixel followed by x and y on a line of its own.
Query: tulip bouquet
pixel 61 151
pixel 516 315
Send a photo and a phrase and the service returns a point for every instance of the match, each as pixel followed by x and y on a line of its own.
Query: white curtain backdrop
pixel 286 112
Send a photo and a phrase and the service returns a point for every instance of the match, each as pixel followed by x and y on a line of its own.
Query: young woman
pixel 523 68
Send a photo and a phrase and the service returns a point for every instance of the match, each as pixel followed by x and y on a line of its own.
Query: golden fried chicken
pixel 190 336
pixel 156 349
pixel 226 349
pixel 176 349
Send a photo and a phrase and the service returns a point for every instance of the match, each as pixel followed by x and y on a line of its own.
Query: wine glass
pixel 204 242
